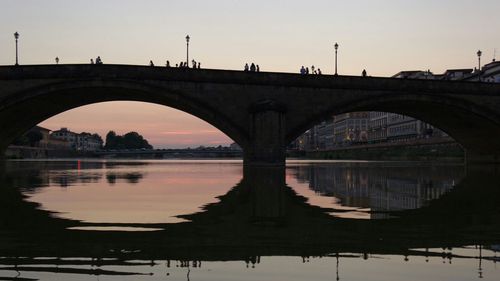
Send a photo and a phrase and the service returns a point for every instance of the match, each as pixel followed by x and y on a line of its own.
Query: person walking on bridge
pixel 252 67
pixel 303 70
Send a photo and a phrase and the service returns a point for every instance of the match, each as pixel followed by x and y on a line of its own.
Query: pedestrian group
pixel 252 68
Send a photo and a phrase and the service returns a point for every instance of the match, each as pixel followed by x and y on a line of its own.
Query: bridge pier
pixel 267 145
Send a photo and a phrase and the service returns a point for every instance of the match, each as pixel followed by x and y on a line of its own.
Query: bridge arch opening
pixel 375 135
pixel 27 109
pixel 471 125
pixel 163 127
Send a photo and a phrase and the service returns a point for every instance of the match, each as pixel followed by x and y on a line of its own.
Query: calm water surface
pixel 216 220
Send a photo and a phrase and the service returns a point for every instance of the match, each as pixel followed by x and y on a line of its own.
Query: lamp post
pixel 479 53
pixel 336 48
pixel 187 50
pixel 16 35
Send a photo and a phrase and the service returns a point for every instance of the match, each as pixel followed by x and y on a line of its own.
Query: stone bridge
pixel 262 112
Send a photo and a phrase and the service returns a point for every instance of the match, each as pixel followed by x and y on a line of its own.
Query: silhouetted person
pixel 252 67
pixel 258 68
pixel 91 61
pixel 363 73
pixel 98 60
pixel 302 70
pixel 57 60
pixel 151 63
pixel 312 69
pixel 307 70
pixel 319 71
pixel 176 65
pixel 246 66
pixel 168 64
pixel 199 65
pixel 181 65
pixel 194 64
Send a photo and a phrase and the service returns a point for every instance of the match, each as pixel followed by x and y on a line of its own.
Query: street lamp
pixel 16 35
pixel 187 50
pixel 479 53
pixel 336 48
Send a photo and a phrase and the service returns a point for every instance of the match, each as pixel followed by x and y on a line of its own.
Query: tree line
pixel 131 140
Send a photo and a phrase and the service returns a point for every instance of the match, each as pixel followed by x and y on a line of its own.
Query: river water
pixel 217 220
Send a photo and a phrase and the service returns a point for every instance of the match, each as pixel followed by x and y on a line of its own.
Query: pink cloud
pixel 193 132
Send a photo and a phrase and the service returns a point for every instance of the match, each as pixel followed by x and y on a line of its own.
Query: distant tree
pixel 97 136
pixel 110 140
pixel 131 140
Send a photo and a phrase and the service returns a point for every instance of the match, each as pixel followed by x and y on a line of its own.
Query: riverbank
pixel 441 151
pixel 26 152
pixel 422 150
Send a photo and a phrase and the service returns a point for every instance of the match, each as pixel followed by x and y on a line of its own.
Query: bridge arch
pixel 467 111
pixel 472 126
pixel 24 110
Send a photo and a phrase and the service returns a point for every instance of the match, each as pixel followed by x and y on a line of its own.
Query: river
pixel 217 220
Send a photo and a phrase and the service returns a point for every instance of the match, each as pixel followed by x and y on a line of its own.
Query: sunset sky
pixel 383 37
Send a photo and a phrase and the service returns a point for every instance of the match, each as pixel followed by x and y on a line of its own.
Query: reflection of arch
pixel 470 125
pixel 28 108
pixel 296 228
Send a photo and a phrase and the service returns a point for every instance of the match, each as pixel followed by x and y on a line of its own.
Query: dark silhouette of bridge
pixel 262 112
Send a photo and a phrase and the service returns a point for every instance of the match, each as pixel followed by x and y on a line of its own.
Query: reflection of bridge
pixel 259 216
pixel 260 111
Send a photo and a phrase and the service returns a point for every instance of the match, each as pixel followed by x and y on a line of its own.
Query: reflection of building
pixel 379 188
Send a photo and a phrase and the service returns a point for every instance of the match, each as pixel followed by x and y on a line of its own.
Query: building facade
pixel 79 142
pixel 403 128
pixel 377 127
pixel 350 128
